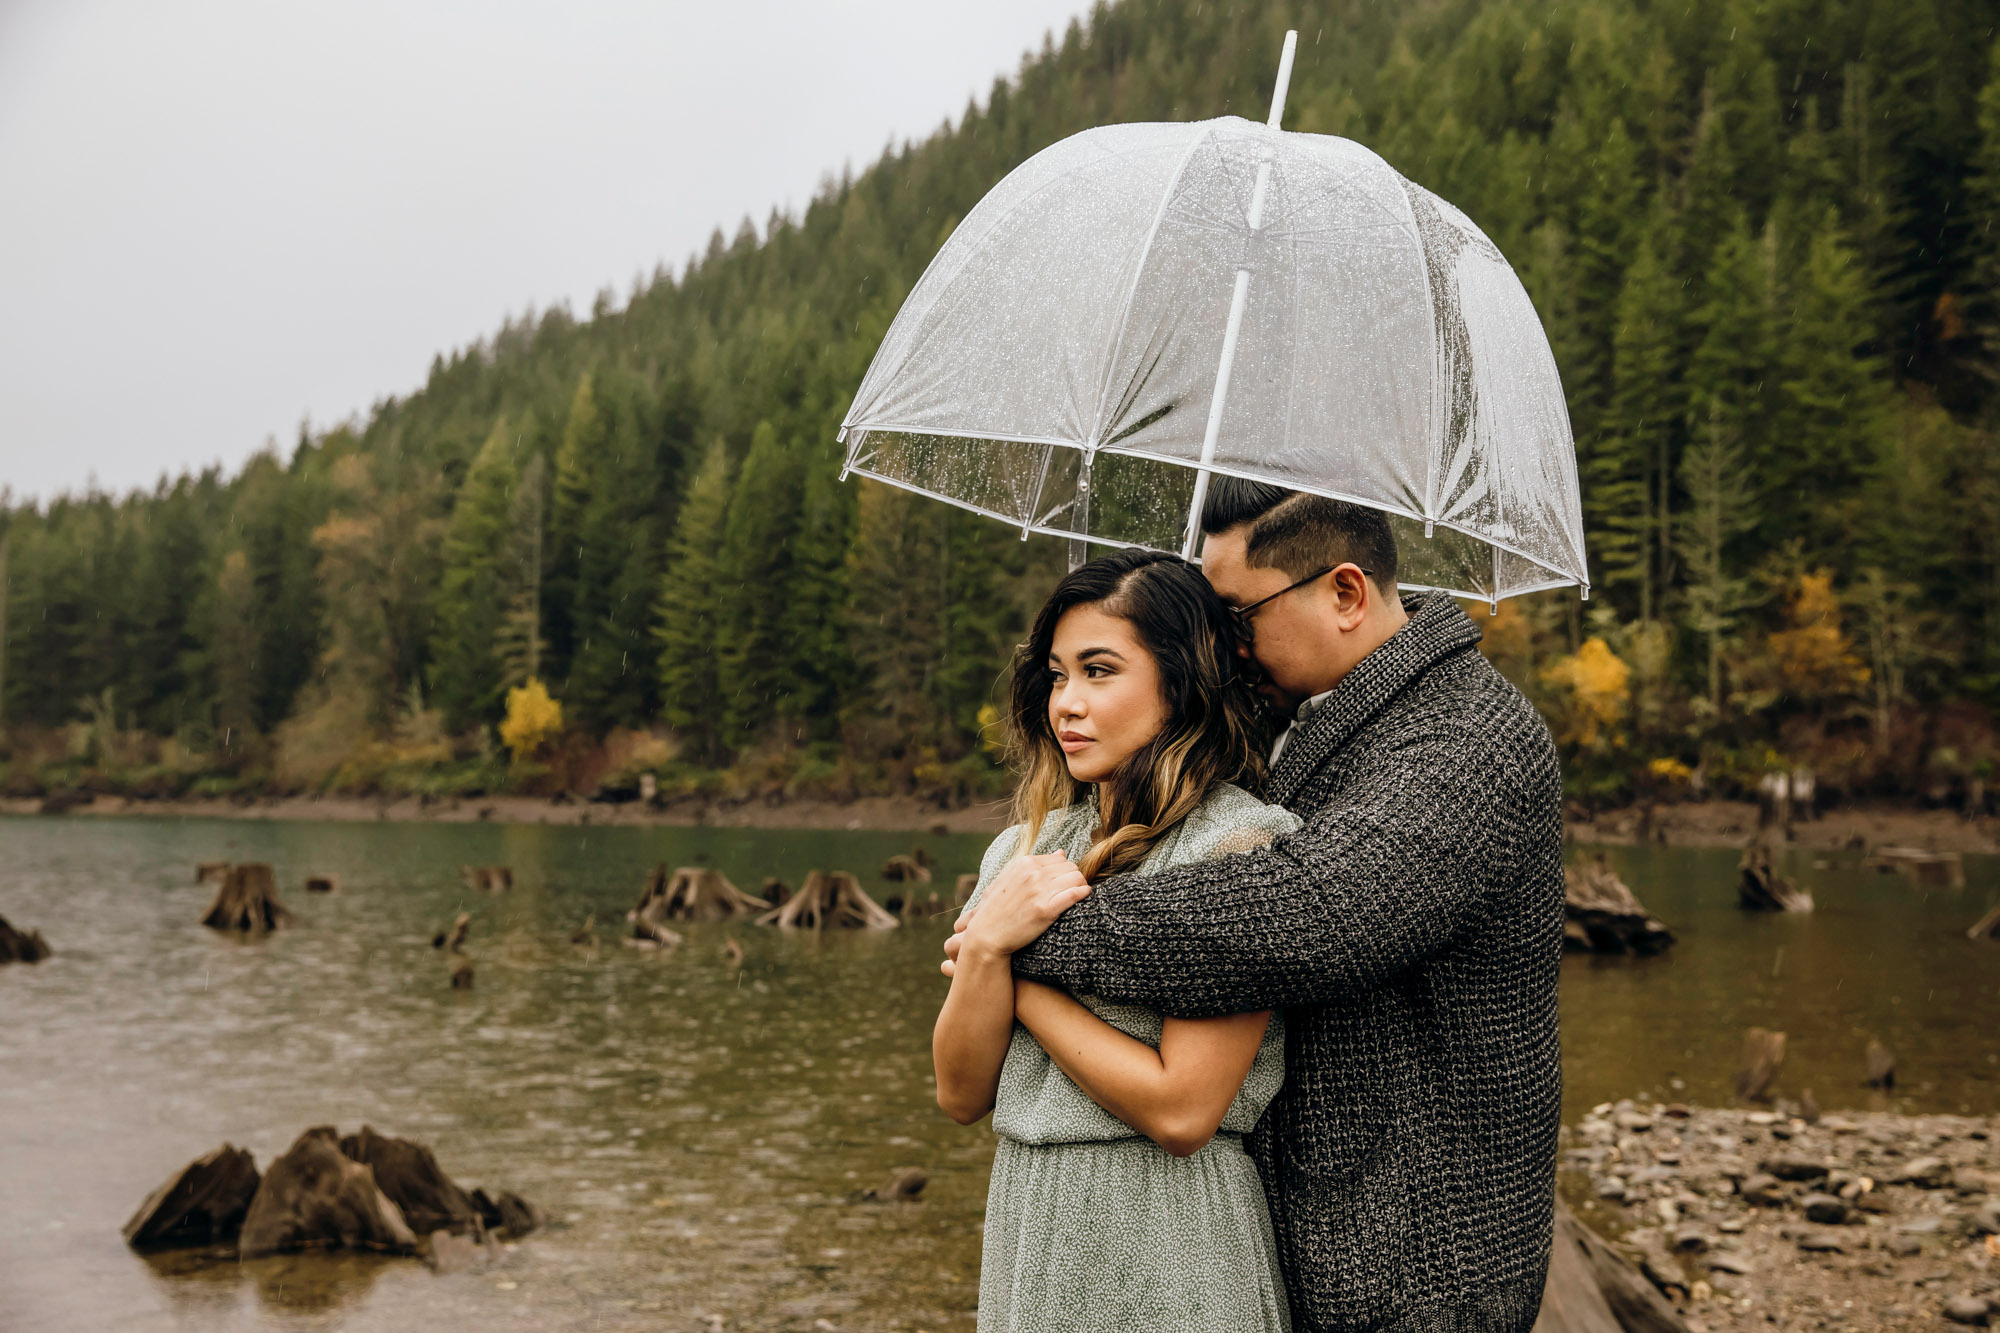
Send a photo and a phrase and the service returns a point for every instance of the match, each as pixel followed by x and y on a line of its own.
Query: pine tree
pixel 1720 509
pixel 466 677
pixel 754 618
pixel 685 621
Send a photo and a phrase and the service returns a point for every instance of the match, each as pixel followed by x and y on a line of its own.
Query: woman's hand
pixel 1023 901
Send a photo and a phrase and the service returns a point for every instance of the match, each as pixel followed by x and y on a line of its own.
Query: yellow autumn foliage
pixel 532 718
pixel 1598 685
pixel 1814 658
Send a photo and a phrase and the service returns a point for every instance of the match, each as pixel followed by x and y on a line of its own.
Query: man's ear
pixel 1353 596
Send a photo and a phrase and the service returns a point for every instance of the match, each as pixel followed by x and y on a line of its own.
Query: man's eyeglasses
pixel 1243 613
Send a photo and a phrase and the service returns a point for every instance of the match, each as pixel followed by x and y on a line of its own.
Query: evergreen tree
pixel 466 667
pixel 686 627
pixel 755 618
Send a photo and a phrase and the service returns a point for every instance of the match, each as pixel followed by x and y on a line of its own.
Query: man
pixel 1411 930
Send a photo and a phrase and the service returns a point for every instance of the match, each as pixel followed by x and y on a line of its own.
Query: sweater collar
pixel 1437 629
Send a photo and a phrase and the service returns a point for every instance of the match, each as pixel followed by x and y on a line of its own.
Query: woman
pixel 1121 1198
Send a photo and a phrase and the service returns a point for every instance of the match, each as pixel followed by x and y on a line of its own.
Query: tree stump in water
pixel 322 884
pixel 203 1203
pixel 1602 915
pixel 1760 888
pixel 1987 927
pixel 507 1211
pixel 409 1174
pixel 452 940
pixel 830 900
pixel 692 893
pixel 1763 1054
pixel 1881 1065
pixel 1945 870
pixel 487 879
pixel 775 891
pixel 904 1184
pixel 21 946
pixel 925 906
pixel 314 1197
pixel 905 869
pixel 247 901
pixel 967 886
pixel 461 974
pixel 210 872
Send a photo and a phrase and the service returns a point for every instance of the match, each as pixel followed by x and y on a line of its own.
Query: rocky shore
pixel 1763 1218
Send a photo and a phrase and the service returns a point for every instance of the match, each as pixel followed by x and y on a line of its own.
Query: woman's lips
pixel 1072 741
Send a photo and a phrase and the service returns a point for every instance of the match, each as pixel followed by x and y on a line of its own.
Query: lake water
pixel 695 1130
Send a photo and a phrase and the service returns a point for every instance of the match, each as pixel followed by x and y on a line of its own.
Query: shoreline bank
pixel 1688 824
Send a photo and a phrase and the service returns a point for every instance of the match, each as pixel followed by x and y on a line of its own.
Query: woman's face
pixel 1104 692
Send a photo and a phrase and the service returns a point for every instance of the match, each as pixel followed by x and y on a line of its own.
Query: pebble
pixel 1826 1209
pixel 1731 1261
pixel 1821 1242
pixel 1931 1173
pixel 1921 1226
pixel 1904 1246
pixel 1968 1309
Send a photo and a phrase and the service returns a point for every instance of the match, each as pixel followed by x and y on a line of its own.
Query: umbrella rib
pixel 1132 289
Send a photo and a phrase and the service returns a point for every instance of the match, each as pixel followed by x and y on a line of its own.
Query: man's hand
pixel 1023 901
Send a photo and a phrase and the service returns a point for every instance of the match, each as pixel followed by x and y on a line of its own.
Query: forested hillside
pixel 1759 234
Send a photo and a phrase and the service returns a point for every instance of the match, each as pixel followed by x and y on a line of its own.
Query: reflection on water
pixel 696 1131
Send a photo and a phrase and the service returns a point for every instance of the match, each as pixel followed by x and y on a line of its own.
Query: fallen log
pixel 830 900
pixel 247 901
pixel 1763 1055
pixel 1591 1288
pixel 21 946
pixel 487 879
pixel 1920 865
pixel 1987 927
pixel 1760 888
pixel 314 1197
pixel 203 1203
pixel 1602 915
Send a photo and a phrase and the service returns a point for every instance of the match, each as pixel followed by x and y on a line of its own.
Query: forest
pixel 591 547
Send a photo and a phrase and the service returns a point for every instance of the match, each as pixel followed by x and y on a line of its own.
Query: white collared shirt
pixel 1300 716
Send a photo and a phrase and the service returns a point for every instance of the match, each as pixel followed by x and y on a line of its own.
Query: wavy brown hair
pixel 1214 729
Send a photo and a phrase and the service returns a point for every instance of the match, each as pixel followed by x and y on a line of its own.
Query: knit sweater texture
pixel 1412 932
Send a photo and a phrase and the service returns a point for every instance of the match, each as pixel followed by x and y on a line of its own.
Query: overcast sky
pixel 218 217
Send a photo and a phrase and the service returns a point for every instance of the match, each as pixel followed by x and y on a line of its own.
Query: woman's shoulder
pixel 1230 819
pixel 1055 832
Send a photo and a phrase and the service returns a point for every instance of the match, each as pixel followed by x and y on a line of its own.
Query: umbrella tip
pixel 1284 79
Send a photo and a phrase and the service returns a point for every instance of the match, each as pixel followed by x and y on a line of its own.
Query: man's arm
pixel 1370 887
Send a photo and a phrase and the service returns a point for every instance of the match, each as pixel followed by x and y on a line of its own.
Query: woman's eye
pixel 1097 672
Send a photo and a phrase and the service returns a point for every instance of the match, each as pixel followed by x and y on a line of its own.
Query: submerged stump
pixel 247 901
pixel 452 938
pixel 903 868
pixel 1763 1055
pixel 830 900
pixel 322 884
pixel 691 893
pixel 409 1174
pixel 210 872
pixel 21 946
pixel 1601 914
pixel 203 1203
pixel 1919 865
pixel 315 1197
pixel 487 879
pixel 1760 888
pixel 925 905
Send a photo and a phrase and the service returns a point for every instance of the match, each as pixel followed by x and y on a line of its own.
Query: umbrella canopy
pixel 1139 305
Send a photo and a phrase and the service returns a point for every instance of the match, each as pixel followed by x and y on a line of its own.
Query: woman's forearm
pixel 1176 1095
pixel 969 1044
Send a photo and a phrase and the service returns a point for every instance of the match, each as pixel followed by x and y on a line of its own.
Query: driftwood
pixel 1881 1065
pixel 775 891
pixel 507 1211
pixel 830 900
pixel 925 906
pixel 904 869
pixel 248 901
pixel 586 934
pixel 1591 1288
pixel 314 1197
pixel 692 893
pixel 409 1174
pixel 487 879
pixel 1602 915
pixel 21 946
pixel 322 884
pixel 904 1184
pixel 203 1203
pixel 1760 888
pixel 967 885
pixel 210 872
pixel 1987 927
pixel 1763 1054
pixel 452 938
pixel 1944 870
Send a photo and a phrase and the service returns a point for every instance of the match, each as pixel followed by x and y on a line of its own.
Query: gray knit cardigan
pixel 1412 930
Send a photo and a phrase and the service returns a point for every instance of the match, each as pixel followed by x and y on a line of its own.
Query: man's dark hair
pixel 1300 533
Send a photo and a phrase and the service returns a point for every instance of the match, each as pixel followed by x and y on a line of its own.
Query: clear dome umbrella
pixel 1139 307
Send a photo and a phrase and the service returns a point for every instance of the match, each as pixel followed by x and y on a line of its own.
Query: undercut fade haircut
pixel 1301 533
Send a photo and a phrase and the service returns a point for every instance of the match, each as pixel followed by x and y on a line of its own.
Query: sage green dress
pixel 1092 1227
